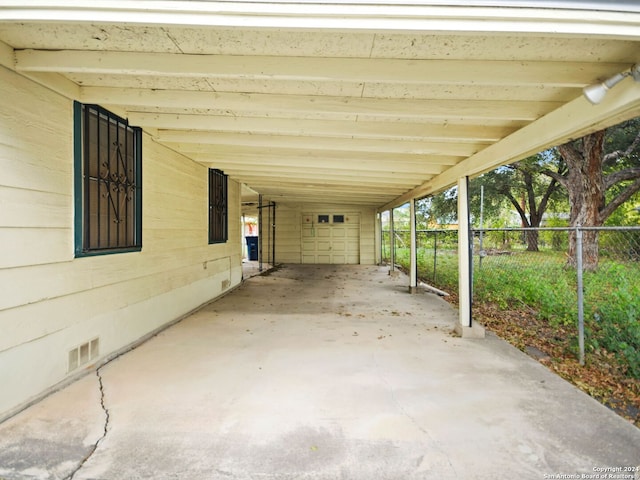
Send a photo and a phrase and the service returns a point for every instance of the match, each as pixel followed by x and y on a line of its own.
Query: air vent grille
pixel 83 354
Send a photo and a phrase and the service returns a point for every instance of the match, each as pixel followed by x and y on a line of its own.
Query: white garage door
pixel 331 238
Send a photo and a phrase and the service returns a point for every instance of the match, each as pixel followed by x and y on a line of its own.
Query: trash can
pixel 252 248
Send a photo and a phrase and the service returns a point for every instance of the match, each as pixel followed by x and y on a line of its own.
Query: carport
pixel 319 372
pixel 367 104
pixel 329 114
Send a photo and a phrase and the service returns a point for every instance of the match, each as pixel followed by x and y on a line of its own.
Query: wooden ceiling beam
pixel 326 195
pixel 329 107
pixel 280 126
pixel 379 70
pixel 391 173
pixel 329 179
pixel 302 158
pixel 180 139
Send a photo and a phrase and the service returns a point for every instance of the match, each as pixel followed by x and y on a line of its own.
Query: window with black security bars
pixel 110 183
pixel 218 230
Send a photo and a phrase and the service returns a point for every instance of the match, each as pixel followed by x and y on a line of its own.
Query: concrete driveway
pixel 319 372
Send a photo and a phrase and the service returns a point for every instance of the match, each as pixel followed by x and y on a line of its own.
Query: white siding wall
pixel 51 302
pixel 368 237
pixel 289 235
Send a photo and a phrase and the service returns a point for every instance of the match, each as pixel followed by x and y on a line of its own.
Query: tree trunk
pixel 585 185
pixel 532 240
pixel 530 236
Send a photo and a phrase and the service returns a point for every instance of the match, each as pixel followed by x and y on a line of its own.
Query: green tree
pixel 442 209
pixel 520 185
pixel 527 190
pixel 603 172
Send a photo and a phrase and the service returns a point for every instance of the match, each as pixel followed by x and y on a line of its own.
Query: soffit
pixel 337 113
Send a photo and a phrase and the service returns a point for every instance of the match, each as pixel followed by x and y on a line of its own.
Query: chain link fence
pixel 587 279
pixel 437 255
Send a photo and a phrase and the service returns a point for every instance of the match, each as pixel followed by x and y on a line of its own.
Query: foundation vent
pixel 83 354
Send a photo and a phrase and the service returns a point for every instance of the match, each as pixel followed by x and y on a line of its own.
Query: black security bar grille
pixel 217 206
pixel 111 181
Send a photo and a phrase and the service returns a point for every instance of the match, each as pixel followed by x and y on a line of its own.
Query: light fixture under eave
pixel 596 93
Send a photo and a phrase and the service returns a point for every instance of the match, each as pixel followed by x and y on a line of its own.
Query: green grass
pixel 533 280
pixel 540 282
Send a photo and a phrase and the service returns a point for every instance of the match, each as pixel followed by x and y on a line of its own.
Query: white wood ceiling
pixel 358 103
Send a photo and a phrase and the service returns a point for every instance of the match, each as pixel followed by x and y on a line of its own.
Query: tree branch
pixel 618 154
pixel 557 176
pixel 553 186
pixel 531 195
pixel 620 176
pixel 571 155
pixel 521 212
pixel 625 195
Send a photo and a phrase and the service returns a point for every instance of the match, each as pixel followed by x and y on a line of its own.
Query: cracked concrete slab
pixel 318 372
pixel 49 439
pixel 105 428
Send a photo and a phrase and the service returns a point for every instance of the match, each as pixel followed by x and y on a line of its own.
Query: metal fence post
pixel 481 252
pixel 435 255
pixel 392 243
pixel 580 293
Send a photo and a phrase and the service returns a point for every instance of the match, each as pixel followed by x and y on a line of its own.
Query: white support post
pixel 392 243
pixel 378 240
pixel 465 328
pixel 413 274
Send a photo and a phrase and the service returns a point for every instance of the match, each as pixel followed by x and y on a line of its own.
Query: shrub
pixel 615 313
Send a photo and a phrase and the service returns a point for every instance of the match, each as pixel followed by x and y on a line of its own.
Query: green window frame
pixel 107 182
pixel 218 207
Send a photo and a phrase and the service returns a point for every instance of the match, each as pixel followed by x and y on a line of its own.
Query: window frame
pixel 218 227
pixel 82 208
